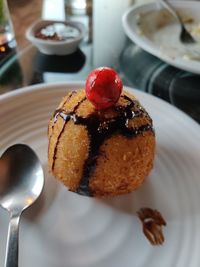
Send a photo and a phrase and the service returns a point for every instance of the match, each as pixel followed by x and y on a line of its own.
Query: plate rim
pixel 46 86
pixel 37 87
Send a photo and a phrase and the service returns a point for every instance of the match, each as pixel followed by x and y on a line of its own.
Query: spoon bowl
pixel 20 178
pixel 21 183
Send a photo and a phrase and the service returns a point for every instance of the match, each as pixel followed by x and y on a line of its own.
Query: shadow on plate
pixel 62 64
pixel 132 202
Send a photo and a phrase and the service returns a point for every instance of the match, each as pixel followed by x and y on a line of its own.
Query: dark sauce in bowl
pixel 57 31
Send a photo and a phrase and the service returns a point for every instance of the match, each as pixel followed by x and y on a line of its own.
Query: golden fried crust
pixel 122 162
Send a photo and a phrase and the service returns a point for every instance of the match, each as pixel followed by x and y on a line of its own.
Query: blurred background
pixel 105 44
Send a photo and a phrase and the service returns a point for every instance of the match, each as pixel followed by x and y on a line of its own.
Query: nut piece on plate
pixel 101 142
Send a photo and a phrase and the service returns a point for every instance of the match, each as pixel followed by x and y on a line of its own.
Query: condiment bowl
pixel 51 46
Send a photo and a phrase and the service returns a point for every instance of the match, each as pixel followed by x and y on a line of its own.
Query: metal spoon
pixel 21 182
pixel 185 35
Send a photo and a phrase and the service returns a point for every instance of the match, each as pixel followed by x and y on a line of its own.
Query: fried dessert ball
pixel 100 152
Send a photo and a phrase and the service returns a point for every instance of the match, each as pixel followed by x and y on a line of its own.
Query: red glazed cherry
pixel 103 87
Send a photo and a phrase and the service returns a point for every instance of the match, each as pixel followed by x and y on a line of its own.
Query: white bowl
pixel 53 47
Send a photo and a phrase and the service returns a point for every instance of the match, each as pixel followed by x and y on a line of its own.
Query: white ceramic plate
pixel 158 33
pixel 65 229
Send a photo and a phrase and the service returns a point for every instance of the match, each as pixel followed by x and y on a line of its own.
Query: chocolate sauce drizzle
pixel 99 129
pixel 52 127
pixel 58 113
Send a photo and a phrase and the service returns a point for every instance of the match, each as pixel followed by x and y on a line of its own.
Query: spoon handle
pixel 11 259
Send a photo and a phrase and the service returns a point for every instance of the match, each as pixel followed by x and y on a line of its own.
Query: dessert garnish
pixel 103 87
pixel 152 222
